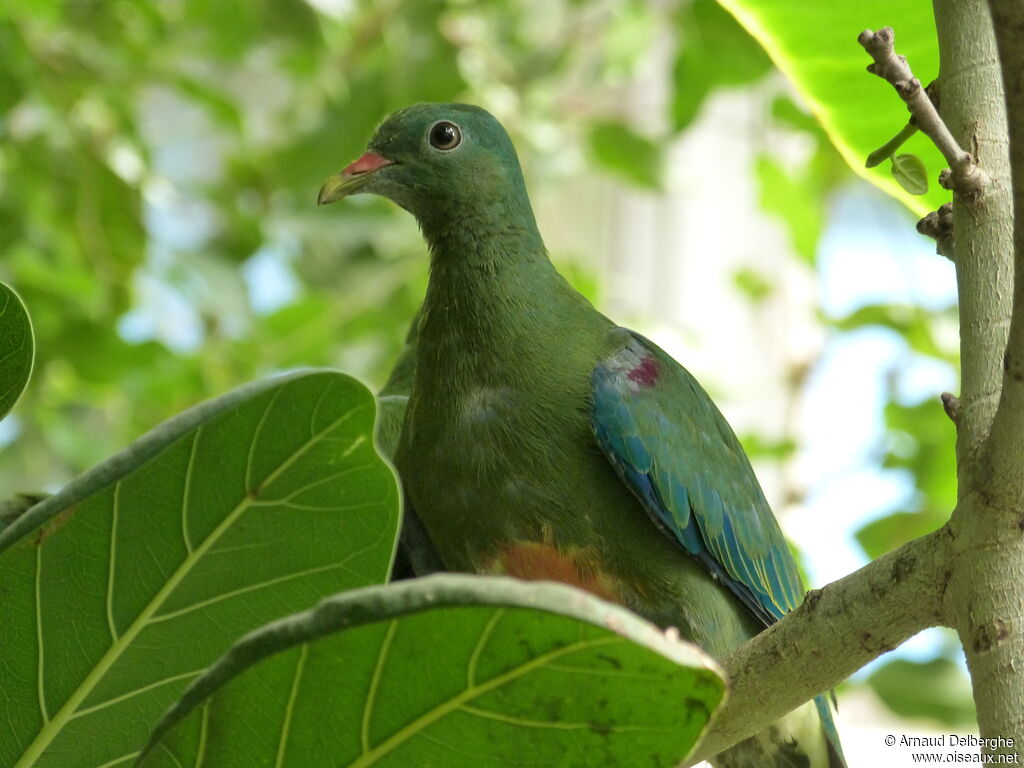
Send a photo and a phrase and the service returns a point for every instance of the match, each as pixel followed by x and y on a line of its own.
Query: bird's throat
pixel 481 310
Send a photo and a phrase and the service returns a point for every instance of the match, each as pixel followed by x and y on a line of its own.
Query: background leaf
pixel 449 670
pixel 937 689
pixel 621 150
pixel 123 587
pixel 713 51
pixel 792 198
pixel 17 349
pixel 815 45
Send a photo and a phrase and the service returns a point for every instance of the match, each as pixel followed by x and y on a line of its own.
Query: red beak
pixel 370 161
pixel 352 179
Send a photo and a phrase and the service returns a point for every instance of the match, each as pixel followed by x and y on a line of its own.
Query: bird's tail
pixel 828 726
pixel 805 738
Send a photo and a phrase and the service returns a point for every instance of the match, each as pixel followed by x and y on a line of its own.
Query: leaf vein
pixel 555 725
pixel 371 695
pixel 114 514
pixel 40 666
pixel 53 726
pixel 252 588
pixel 187 493
pixel 316 408
pixel 481 643
pixel 455 702
pixel 171 755
pixel 320 481
pixel 204 724
pixel 136 692
pixel 601 672
pixel 256 439
pixel 289 710
pixel 119 760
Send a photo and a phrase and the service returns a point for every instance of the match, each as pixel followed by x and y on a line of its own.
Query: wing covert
pixel 676 452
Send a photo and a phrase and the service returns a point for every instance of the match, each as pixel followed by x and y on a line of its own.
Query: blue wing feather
pixel 676 452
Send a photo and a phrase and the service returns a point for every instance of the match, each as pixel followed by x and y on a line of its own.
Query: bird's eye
pixel 445 135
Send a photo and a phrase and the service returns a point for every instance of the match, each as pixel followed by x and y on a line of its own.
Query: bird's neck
pixel 491 285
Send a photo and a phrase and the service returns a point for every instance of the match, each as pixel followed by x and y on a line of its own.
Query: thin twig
pixel 964 174
pixel 888 149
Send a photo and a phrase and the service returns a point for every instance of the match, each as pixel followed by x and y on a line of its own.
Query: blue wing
pixel 670 444
pixel 677 453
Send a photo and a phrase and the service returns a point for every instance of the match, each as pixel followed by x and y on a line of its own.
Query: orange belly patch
pixel 534 561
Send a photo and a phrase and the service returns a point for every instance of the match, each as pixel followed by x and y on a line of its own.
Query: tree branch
pixel 983 598
pixel 972 109
pixel 1005 449
pixel 836 631
pixel 965 176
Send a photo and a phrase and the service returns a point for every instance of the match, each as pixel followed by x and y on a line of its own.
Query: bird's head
pixel 437 161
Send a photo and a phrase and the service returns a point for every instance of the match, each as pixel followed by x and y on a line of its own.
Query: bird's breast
pixel 484 408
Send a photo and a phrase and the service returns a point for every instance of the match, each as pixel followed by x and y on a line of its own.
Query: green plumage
pixel 534 444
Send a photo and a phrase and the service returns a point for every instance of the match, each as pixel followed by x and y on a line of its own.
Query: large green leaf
pixel 17 349
pixel 449 670
pixel 815 45
pixel 122 588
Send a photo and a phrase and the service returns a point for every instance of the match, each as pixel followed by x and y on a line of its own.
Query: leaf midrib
pixel 455 702
pixel 56 724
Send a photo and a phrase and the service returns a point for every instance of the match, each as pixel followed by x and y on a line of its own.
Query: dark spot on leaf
pixel 602 728
pixel 58 522
pixel 611 660
pixel 694 706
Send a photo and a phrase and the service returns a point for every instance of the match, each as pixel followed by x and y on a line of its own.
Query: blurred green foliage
pixel 714 51
pixel 159 163
pixel 158 171
pixel 936 689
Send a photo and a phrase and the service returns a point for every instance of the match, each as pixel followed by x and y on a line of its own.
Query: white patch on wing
pixel 484 406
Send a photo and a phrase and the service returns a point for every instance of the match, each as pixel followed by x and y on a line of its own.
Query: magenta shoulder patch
pixel 645 373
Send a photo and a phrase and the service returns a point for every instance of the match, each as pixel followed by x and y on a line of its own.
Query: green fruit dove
pixel 542 441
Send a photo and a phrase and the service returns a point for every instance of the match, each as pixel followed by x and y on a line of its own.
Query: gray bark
pixel 984 597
